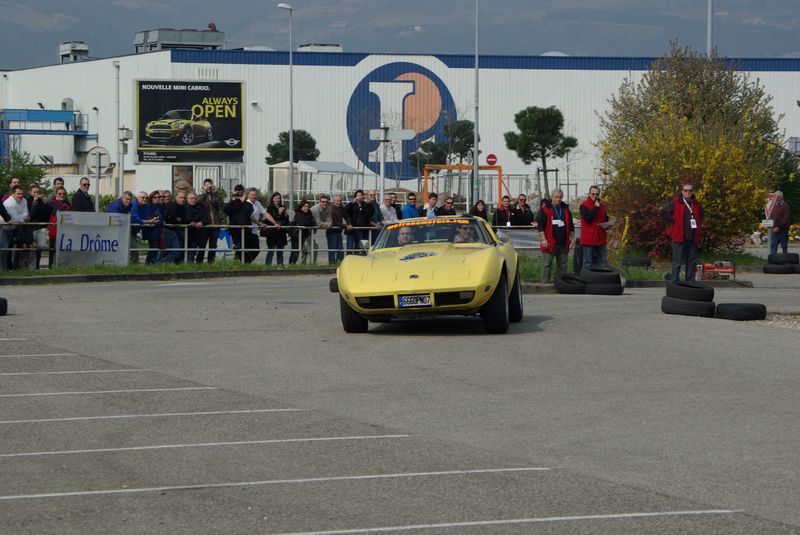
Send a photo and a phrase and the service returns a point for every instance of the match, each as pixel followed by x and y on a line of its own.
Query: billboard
pixel 188 122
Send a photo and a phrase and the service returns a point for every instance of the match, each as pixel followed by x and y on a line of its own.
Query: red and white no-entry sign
pixel 491 159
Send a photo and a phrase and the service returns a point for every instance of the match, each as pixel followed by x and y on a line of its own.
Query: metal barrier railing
pixel 303 247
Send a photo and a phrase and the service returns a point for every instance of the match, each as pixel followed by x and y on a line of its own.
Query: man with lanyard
pixel 557 233
pixel 594 222
pixel 685 218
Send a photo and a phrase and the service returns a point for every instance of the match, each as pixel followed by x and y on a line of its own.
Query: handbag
pixel 42 239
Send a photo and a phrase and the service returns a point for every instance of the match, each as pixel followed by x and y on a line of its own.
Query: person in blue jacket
pixel 146 211
pixel 410 209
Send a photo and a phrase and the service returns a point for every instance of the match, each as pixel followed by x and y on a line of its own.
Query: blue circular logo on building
pixel 401 96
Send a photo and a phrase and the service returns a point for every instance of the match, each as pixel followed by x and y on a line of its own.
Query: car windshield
pixel 178 114
pixel 432 231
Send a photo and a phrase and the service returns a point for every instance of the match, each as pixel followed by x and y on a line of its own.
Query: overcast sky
pixel 30 30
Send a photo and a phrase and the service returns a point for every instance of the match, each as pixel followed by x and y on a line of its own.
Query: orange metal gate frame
pixel 461 167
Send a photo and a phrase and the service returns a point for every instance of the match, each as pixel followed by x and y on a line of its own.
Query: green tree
pixel 690 117
pixel 21 165
pixel 789 184
pixel 305 148
pixel 429 152
pixel 460 138
pixel 540 137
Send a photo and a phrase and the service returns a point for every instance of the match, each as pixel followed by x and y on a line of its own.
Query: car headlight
pixel 178 124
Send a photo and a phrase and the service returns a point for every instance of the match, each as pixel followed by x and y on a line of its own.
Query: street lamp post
pixel 710 29
pixel 289 8
pixel 476 139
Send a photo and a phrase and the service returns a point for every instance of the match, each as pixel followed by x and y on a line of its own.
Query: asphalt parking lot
pixel 240 406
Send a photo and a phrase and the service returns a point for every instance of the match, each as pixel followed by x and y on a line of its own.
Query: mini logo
pixel 399 95
pixel 414 256
pixel 231 142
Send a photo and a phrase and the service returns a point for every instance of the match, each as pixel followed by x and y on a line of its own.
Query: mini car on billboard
pixel 181 126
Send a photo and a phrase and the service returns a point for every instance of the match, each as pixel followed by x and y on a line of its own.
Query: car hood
pixel 440 262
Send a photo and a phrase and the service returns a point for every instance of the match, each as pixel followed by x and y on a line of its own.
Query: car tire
pixel 352 321
pixel 778 269
pixel 601 275
pixel 684 307
pixel 3 306
pixel 741 311
pixel 690 291
pixel 602 288
pixel 333 285
pixel 187 136
pixel 516 309
pixel 784 258
pixel 570 284
pixel 210 134
pixel 636 262
pixel 796 268
pixel 495 311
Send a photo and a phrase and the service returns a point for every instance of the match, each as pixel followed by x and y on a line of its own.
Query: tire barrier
pixel 601 275
pixel 778 269
pixel 741 311
pixel 690 291
pixel 782 264
pixel 602 288
pixel 570 284
pixel 3 306
pixel 784 258
pixel 684 307
pixel 633 261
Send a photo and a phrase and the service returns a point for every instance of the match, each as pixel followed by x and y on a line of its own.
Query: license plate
pixel 407 301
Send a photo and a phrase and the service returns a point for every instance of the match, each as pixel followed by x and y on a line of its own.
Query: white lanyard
pixel 691 212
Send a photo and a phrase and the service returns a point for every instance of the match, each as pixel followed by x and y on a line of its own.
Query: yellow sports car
pixel 180 125
pixel 432 267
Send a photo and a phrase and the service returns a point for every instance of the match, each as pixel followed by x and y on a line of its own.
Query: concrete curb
pixel 189 275
pixel 539 288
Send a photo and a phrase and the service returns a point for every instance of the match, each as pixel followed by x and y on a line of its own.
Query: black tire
pixel 333 285
pixel 577 257
pixel 635 261
pixel 601 275
pixel 784 258
pixel 187 136
pixel 684 307
pixel 796 268
pixel 603 288
pixel 690 291
pixel 778 269
pixel 352 321
pixel 516 309
pixel 741 311
pixel 3 306
pixel 495 311
pixel 570 284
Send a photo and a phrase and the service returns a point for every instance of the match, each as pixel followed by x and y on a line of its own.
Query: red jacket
pixel 56 206
pixel 548 228
pixel 591 231
pixel 676 231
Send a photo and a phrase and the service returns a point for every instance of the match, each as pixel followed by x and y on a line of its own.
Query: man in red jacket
pixel 594 222
pixel 685 218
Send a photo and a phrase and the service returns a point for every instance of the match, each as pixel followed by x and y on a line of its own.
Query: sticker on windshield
pixel 414 256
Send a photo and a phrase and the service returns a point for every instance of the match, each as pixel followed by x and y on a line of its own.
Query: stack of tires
pixel 689 299
pixel 782 264
pixel 695 299
pixel 593 280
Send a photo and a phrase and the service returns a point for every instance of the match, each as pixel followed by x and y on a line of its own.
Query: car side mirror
pixel 503 237
pixel 365 245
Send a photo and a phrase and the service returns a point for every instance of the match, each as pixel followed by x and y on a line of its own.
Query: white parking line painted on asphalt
pixel 400 475
pixel 184 284
pixel 500 522
pixel 154 415
pixel 12 339
pixel 108 391
pixel 39 355
pixel 202 445
pixel 128 370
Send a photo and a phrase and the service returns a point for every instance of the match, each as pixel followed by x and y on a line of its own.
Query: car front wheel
pixel 495 311
pixel 187 136
pixel 515 307
pixel 352 321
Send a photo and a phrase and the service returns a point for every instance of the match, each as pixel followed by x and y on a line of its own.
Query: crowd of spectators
pixel 186 227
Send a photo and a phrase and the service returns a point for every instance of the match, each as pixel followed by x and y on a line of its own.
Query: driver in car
pixel 464 234
pixel 405 236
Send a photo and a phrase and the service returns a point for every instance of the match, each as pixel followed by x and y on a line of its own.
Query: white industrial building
pixel 338 98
